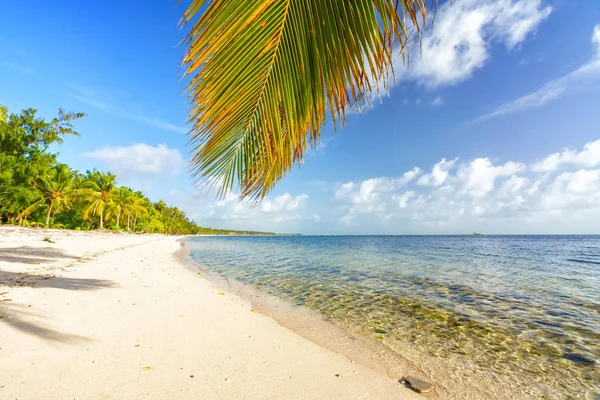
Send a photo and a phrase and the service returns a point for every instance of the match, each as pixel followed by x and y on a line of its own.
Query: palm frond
pixel 32 208
pixel 266 73
pixel 3 113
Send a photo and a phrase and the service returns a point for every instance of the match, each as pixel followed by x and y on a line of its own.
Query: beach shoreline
pixel 283 280
pixel 102 315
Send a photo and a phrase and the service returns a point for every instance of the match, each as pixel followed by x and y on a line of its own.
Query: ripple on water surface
pixel 523 306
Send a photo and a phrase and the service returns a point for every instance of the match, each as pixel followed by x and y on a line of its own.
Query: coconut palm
pixel 57 192
pixel 139 208
pixel 266 73
pixel 98 194
pixel 121 203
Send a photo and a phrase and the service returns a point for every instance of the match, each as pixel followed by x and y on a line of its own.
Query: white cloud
pixel 370 190
pixel 403 199
pixel 596 39
pixel 459 41
pixel 285 202
pixel 513 185
pixel 582 181
pixel 480 194
pixel 587 158
pixel 409 175
pixel 573 191
pixel 282 213
pixel 140 160
pixel 553 89
pixel 439 173
pixel 479 176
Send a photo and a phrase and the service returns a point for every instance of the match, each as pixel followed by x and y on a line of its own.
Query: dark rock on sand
pixel 418 385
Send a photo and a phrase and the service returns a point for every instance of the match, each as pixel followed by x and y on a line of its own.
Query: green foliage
pixel 35 190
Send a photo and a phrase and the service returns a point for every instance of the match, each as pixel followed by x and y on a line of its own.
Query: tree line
pixel 37 190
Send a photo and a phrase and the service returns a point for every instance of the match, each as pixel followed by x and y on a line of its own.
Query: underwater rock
pixel 578 359
pixel 418 385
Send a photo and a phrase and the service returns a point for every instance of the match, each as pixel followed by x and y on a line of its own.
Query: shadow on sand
pixel 33 255
pixel 16 279
pixel 21 316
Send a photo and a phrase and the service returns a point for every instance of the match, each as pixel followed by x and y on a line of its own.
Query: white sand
pixel 109 316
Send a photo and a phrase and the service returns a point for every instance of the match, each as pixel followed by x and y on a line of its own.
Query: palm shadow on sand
pixel 33 255
pixel 20 316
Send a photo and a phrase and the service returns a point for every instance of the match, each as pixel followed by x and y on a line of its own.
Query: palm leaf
pixel 3 113
pixel 267 73
pixel 32 208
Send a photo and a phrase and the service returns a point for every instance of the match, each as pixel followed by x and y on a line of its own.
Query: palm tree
pixel 57 191
pixel 98 194
pixel 266 73
pixel 139 207
pixel 122 204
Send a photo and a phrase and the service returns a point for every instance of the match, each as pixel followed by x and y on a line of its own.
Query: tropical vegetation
pixel 37 190
pixel 265 75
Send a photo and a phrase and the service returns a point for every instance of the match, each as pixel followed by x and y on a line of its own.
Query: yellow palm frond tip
pixel 266 73
pixel 3 113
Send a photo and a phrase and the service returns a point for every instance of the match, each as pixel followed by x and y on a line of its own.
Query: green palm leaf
pixel 266 73
pixel 3 113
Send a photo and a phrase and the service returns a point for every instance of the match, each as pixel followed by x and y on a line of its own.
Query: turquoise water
pixel 518 305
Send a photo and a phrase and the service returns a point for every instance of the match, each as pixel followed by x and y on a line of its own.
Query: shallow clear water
pixel 519 305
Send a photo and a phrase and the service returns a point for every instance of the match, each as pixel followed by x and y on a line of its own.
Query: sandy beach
pixel 118 316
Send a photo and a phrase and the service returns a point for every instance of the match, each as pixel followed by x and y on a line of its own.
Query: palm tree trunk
pixel 48 215
pixel 118 218
pixel 128 222
pixel 102 219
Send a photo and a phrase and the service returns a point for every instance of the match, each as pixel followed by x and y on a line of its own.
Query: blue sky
pixel 494 128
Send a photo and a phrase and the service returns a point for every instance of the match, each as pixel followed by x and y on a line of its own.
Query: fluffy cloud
pixel 285 202
pixel 439 173
pixel 140 160
pixel 479 176
pixel 596 39
pixel 274 214
pixel 463 31
pixel 589 157
pixel 370 190
pixel 553 89
pixel 458 44
pixel 481 195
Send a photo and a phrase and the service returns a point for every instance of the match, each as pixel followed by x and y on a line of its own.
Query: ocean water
pixel 526 307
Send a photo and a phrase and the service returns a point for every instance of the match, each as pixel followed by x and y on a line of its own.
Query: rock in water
pixel 418 385
pixel 579 359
